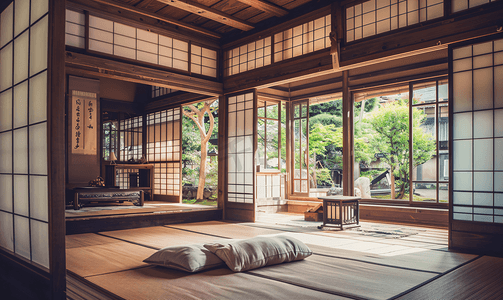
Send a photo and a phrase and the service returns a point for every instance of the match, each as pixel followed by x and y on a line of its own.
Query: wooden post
pixel 347 138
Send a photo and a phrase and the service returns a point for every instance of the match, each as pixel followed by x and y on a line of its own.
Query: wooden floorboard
pixel 479 279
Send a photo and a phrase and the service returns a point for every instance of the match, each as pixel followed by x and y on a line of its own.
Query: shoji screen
pixel 24 220
pixel 164 151
pixel 477 110
pixel 240 152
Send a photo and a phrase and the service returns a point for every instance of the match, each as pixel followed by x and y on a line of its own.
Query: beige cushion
pixel 190 258
pixel 248 254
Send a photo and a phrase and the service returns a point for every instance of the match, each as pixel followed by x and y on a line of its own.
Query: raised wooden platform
pixel 107 218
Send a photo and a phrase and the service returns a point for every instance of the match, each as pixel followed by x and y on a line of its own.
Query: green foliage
pixel 324 177
pixel 332 108
pixel 325 119
pixel 391 126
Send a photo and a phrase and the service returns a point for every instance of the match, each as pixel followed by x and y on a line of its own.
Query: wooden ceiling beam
pixel 146 13
pixel 83 64
pixel 266 6
pixel 209 13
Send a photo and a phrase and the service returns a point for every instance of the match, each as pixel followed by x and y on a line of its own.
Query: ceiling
pixel 224 18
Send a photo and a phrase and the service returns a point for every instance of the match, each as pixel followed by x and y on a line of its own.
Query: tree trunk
pixel 392 177
pixel 202 173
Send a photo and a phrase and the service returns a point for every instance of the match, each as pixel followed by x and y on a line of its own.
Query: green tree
pixel 198 113
pixel 391 138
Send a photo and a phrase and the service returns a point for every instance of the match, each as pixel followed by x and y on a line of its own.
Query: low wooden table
pixel 101 194
pixel 340 211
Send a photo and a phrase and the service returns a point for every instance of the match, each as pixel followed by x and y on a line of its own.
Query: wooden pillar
pixel 348 157
pixel 56 127
pixel 222 153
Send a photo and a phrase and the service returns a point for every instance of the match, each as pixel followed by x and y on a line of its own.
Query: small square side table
pixel 340 211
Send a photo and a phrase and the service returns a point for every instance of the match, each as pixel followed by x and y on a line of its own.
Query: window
pixel 302 39
pixel 130 143
pixel 393 126
pixel 248 57
pixel 459 5
pixel 164 150
pixel 110 138
pixel 24 170
pixel 378 16
pixel 477 183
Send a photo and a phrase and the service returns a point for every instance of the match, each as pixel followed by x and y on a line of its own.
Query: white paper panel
pixel 248 143
pixel 462 209
pixel 498 88
pixel 20 156
pixel 482 48
pixel 6 192
pixel 21 57
pixel 39 198
pixel 125 52
pixel 38 149
pixel 40 242
pixel 182 65
pixel 462 217
pixel 462 65
pixel 483 199
pixel 248 162
pixel 6 152
pixel 146 46
pixel 20 105
pixel 232 124
pixel 74 41
pixel 6 110
pixel 482 61
pixel 498 155
pixel 483 154
pixel 21 16
pixel 125 41
pixel 101 35
pixel 462 155
pixel 498 199
pixel 483 88
pixel 498 122
pixel 6 23
pixel 22 236
pixel 124 30
pixel 462 198
pixel 248 122
pixel 6 67
pixel 483 181
pixel 147 36
pixel 21 195
pixel 75 29
pixel 462 181
pixel 146 57
pixel 75 17
pixel 38 9
pixel 7 232
pixel 240 122
pixel 100 23
pixel 462 125
pixel 483 124
pixel 498 181
pixel 462 91
pixel 38 98
pixel 100 46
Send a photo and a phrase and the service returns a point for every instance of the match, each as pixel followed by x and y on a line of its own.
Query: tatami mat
pixel 344 264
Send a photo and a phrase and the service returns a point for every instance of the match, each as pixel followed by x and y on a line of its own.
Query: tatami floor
pixel 375 261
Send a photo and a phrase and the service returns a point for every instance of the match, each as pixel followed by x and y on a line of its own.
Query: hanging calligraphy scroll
pixel 84 123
